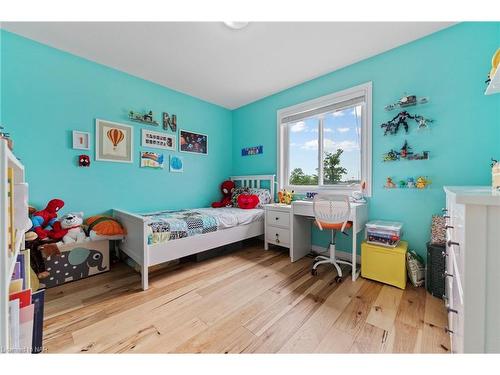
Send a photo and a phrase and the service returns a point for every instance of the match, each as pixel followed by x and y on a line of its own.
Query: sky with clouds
pixel 341 130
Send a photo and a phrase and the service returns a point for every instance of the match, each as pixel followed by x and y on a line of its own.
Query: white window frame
pixel 366 140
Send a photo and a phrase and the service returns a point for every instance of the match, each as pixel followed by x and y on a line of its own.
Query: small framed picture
pixel 151 160
pixel 113 142
pixel 176 164
pixel 193 142
pixel 157 140
pixel 81 140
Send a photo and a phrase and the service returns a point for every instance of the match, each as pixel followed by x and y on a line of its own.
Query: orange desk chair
pixel 331 212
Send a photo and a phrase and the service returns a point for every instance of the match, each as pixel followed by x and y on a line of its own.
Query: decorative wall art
pixel 193 142
pixel 113 142
pixel 169 122
pixel 151 160
pixel 81 140
pixel 83 161
pixel 157 140
pixel 176 164
pixel 143 118
pixel 255 150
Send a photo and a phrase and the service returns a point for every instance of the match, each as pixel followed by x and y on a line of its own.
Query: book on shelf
pixel 23 296
pixel 27 267
pixel 37 299
pixel 16 274
pixel 22 269
pixel 26 315
pixel 15 286
pixel 14 323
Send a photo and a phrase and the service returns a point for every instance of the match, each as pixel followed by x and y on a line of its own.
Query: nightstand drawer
pixel 278 218
pixel 278 236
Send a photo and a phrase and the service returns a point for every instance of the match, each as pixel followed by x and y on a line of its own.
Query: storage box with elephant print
pixel 76 261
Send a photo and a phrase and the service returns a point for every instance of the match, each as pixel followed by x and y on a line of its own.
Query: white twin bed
pixel 162 236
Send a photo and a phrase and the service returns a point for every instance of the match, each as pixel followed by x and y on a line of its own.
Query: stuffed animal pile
pixel 49 233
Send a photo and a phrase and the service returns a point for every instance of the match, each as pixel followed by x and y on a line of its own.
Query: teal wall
pixel 450 67
pixel 47 93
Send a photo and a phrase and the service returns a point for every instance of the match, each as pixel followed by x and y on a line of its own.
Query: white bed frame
pixel 135 244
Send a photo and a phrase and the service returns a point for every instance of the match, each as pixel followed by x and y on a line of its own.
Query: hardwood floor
pixel 251 301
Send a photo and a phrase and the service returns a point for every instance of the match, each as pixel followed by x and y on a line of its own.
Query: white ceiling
pixel 220 65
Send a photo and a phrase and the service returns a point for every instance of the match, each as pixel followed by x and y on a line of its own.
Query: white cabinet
pixel 277 225
pixel 473 268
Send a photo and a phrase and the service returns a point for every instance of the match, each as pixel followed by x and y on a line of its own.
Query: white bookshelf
pixel 494 85
pixel 7 257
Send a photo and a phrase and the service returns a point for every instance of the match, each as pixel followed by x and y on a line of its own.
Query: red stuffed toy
pixel 248 201
pixel 43 220
pixel 226 188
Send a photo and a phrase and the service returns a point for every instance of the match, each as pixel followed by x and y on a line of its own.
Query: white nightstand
pixel 277 224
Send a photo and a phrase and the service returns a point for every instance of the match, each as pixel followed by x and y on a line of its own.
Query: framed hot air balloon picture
pixel 113 142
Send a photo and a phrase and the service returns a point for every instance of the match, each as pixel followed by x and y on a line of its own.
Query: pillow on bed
pixel 236 193
pixel 263 194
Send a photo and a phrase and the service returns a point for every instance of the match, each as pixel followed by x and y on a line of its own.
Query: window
pixel 325 143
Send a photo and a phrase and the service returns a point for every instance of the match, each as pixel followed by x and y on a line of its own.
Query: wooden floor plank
pixel 384 309
pixel 354 316
pixel 250 301
pixel 370 339
pixel 308 337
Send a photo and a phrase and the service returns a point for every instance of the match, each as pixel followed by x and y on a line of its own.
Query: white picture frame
pixel 114 142
pixel 176 164
pixel 161 140
pixel 184 142
pixel 81 140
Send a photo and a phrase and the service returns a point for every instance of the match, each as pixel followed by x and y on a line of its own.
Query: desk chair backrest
pixel 331 209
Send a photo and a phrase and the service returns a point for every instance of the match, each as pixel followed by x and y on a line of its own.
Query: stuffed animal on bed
pixel 227 188
pixel 248 201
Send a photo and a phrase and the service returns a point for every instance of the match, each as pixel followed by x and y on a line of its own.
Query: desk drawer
pixel 278 236
pixel 278 218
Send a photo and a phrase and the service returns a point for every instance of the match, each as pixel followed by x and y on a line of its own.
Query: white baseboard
pixel 343 255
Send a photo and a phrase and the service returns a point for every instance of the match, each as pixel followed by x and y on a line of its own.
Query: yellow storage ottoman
pixel 384 264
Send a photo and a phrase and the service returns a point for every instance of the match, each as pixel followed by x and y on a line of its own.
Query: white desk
pixel 300 229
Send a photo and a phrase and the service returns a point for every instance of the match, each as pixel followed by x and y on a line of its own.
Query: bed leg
pixel 144 277
pixel 266 245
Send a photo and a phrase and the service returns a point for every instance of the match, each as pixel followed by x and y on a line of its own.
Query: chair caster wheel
pixel 338 279
pixel 314 272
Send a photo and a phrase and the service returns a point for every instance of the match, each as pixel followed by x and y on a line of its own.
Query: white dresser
pixel 277 224
pixel 473 268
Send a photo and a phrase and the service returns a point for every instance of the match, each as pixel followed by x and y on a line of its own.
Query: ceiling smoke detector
pixel 236 25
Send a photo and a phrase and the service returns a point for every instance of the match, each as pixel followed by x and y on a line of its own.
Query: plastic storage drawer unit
pixel 387 265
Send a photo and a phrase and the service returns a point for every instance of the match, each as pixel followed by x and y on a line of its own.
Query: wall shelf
pixel 494 85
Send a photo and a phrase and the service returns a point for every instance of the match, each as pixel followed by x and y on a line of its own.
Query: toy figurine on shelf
pixel 410 183
pixel 422 182
pixel 389 184
pixel 391 156
pixel 145 118
pixel 403 184
pixel 285 196
pixel 392 126
pixel 401 119
pixel 422 122
pixel 406 101
pixel 405 150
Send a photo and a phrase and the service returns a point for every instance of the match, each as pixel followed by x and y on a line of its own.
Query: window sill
pixel 301 189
